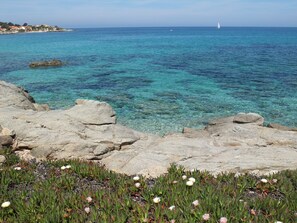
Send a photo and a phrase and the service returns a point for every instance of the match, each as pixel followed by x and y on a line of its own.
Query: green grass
pixel 42 192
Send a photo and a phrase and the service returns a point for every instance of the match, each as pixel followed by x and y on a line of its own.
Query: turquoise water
pixel 162 79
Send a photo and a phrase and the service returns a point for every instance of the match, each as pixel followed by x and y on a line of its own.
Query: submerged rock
pixel 89 131
pixel 50 63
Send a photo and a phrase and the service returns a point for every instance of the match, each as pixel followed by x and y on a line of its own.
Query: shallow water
pixel 159 80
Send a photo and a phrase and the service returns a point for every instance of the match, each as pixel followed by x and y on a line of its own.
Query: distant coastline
pixel 10 28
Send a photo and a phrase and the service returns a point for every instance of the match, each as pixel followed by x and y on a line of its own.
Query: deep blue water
pixel 162 79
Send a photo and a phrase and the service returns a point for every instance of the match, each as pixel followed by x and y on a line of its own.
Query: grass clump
pixel 86 192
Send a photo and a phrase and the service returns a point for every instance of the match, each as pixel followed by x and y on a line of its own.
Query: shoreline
pixel 89 131
pixel 11 33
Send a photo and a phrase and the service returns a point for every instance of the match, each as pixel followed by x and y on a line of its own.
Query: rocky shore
pixel 89 131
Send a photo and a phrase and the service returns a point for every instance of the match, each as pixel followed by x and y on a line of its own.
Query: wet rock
pixel 50 63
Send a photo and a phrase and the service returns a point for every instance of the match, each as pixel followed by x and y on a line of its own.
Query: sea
pixel 160 80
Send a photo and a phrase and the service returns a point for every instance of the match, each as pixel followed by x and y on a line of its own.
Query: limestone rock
pixel 6 140
pixel 281 127
pixel 8 132
pixel 244 118
pixel 102 149
pixel 41 107
pixel 221 121
pixel 89 131
pixel 91 112
pixel 195 133
pixel 14 96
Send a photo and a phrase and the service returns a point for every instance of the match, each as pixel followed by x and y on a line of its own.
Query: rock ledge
pixel 89 131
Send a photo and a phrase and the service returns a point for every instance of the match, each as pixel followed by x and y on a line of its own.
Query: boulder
pixel 6 140
pixel 7 132
pixel 14 96
pixel 92 112
pixel 244 118
pixel 50 63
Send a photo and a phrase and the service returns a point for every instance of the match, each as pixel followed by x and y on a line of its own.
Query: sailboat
pixel 219 26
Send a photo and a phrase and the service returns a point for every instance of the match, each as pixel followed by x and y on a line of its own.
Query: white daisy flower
pixel 89 199
pixel 206 217
pixel 5 204
pixel 157 200
pixel 192 179
pixel 264 181
pixel 136 178
pixel 223 220
pixel 171 208
pixel 87 210
pixel 195 203
pixel 189 183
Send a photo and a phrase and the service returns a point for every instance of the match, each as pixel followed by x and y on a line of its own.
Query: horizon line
pixel 222 26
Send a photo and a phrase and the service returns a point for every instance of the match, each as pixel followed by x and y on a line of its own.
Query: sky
pixel 143 13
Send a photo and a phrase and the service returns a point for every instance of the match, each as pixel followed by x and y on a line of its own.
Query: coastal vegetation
pixel 11 28
pixel 80 191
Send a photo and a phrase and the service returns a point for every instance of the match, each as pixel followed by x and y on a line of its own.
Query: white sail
pixel 219 26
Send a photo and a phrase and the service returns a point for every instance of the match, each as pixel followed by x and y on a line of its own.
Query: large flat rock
pixel 89 131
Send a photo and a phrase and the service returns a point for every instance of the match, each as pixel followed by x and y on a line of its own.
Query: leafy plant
pixel 86 192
